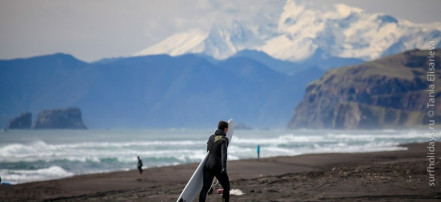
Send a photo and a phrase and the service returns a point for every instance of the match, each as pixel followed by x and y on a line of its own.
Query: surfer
pixel 216 164
pixel 139 165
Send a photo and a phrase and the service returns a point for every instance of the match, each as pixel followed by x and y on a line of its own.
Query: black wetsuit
pixel 216 165
pixel 139 165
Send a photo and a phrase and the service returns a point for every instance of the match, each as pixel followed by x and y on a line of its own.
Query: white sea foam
pixel 50 153
pixel 277 140
pixel 21 176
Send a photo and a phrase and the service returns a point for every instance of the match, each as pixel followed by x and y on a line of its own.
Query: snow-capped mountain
pixel 220 42
pixel 191 41
pixel 303 31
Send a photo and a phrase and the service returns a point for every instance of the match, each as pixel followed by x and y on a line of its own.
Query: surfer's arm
pixel 224 156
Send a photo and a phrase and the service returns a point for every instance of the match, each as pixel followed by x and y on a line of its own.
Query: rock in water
pixel 24 121
pixel 69 118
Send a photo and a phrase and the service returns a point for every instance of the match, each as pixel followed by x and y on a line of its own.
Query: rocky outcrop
pixel 24 121
pixel 387 93
pixel 68 118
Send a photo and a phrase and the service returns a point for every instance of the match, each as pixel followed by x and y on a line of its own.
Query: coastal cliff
pixel 391 92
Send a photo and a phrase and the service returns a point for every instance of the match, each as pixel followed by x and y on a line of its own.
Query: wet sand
pixel 375 176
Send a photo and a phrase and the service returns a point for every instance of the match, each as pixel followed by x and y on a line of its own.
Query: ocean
pixel 37 155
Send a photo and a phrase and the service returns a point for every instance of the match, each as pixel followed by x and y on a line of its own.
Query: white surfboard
pixel 194 185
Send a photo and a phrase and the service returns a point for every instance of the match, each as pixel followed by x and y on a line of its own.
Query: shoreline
pixel 274 178
pixel 402 147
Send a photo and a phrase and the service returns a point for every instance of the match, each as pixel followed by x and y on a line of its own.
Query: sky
pixel 95 29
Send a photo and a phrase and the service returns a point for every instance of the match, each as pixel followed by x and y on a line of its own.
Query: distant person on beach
pixel 258 151
pixel 139 165
pixel 216 164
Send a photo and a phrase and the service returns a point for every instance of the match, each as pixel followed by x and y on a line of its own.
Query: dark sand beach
pixel 375 176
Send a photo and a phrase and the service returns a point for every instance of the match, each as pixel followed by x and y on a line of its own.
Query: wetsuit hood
pixel 220 132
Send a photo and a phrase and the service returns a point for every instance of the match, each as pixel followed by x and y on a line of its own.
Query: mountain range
pixel 255 72
pixel 157 91
pixel 303 33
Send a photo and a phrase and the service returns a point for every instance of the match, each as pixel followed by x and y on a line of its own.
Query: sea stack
pixel 24 121
pixel 67 118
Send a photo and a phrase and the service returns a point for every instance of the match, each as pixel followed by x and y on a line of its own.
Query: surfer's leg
pixel 225 182
pixel 208 178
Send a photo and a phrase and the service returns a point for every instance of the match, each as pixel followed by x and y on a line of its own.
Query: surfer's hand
pixel 223 171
